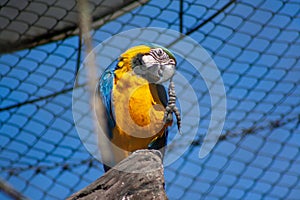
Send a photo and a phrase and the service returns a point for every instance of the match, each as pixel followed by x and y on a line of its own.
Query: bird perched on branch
pixel 137 109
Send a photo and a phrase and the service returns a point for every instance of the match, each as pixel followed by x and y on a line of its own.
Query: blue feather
pixel 105 89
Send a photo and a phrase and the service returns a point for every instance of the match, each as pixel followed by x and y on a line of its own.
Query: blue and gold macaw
pixel 137 110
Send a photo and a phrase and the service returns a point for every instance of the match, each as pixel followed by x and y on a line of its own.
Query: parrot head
pixel 153 62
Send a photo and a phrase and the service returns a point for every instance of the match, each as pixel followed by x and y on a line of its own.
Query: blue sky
pixel 255 46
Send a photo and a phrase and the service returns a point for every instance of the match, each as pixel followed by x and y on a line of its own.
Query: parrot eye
pixel 159 54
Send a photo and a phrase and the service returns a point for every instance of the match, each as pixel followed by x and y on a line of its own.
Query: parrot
pixel 137 110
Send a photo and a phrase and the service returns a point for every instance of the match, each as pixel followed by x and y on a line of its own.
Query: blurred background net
pixel 255 45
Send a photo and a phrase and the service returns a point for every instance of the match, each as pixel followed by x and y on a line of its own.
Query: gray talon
pixel 168 117
pixel 171 107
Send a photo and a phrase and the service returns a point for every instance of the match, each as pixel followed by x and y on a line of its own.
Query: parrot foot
pixel 168 117
pixel 172 108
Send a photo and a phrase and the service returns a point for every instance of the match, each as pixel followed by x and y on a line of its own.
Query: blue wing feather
pixel 105 89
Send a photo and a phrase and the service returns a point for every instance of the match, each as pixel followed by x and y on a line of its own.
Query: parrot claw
pixel 168 117
pixel 172 108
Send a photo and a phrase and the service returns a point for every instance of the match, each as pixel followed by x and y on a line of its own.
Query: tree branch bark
pixel 140 176
pixel 10 191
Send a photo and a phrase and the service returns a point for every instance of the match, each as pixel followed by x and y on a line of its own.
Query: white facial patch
pixel 156 67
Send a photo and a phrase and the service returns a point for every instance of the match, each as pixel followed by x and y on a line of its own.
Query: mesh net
pixel 256 46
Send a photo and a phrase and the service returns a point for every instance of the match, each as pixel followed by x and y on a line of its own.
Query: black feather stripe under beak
pixel 138 60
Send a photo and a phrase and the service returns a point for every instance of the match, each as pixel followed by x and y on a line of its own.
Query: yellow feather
pixel 125 60
pixel 138 110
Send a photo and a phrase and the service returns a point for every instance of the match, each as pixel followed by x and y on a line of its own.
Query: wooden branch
pixel 140 176
pixel 10 191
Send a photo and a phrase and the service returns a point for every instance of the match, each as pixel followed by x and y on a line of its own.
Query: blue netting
pixel 256 46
